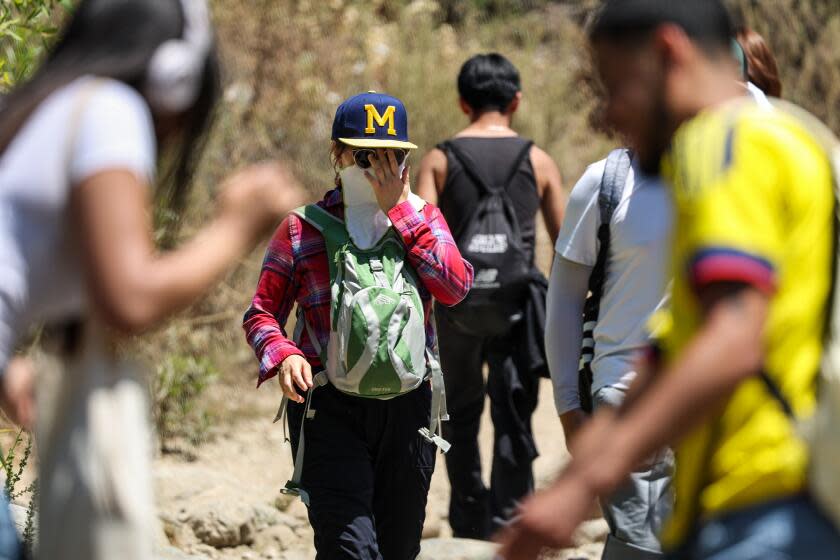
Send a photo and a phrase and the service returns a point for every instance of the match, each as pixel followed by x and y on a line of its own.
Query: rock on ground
pixel 586 552
pixel 172 553
pixel 456 549
pixel 593 531
pixel 224 525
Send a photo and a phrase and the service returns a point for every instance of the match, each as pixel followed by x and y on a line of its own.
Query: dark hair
pixel 116 39
pixel 706 21
pixel 762 69
pixel 488 82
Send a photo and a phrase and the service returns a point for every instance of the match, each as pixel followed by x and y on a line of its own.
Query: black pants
pixel 367 472
pixel 474 510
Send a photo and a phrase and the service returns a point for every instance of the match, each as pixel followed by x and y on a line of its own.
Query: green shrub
pixel 26 28
pixel 14 461
pixel 177 388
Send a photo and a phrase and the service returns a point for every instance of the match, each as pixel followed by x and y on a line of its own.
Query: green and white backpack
pixel 377 345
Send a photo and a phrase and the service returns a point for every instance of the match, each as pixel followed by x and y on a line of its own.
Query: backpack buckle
pixel 435 439
pixel 293 489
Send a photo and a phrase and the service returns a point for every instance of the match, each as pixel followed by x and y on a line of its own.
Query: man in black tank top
pixel 455 176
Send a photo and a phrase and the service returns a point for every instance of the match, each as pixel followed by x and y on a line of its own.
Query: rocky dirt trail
pixel 222 502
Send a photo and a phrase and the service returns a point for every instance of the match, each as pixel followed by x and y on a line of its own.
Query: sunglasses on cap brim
pixel 362 156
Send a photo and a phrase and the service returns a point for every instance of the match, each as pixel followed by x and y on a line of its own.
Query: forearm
pixel 263 325
pixel 563 330
pixel 159 285
pixel 723 354
pixel 433 254
pixel 132 285
pixel 276 294
pixel 269 341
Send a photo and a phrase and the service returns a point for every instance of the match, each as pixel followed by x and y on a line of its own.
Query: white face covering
pixel 366 222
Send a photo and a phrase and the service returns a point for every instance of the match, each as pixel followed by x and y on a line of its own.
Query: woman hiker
pixel 360 373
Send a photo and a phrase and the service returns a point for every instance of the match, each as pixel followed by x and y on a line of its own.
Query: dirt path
pixel 227 494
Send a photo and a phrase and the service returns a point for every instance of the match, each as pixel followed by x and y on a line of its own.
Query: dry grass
pixel 290 62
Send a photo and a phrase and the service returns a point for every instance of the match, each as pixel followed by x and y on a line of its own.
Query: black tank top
pixel 494 156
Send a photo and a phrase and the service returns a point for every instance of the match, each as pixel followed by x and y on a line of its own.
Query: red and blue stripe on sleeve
pixel 716 264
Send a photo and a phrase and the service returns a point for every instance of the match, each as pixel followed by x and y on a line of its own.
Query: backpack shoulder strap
pixel 472 170
pixel 469 166
pixel 612 183
pixel 517 163
pixel 331 227
pixel 615 176
pixel 616 171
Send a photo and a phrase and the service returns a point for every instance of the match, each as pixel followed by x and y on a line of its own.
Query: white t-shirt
pixel 636 280
pixel 41 274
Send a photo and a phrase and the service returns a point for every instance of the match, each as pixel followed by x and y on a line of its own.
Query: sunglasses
pixel 362 157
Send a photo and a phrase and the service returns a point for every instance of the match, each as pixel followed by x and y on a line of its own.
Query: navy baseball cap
pixel 372 120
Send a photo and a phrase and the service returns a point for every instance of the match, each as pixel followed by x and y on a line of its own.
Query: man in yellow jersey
pixel 752 265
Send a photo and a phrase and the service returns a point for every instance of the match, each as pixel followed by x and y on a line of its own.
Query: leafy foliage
pixel 177 389
pixel 13 466
pixel 26 28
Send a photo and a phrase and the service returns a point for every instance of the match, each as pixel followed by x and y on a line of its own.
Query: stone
pixel 202 550
pixel 270 553
pixel 431 528
pixel 172 553
pixel 222 527
pixel 291 521
pixel 298 509
pixel 593 531
pixel 586 552
pixel 283 501
pixel 178 534
pixel 456 549
pixel 280 536
pixel 296 555
pixel 305 533
pixel 264 517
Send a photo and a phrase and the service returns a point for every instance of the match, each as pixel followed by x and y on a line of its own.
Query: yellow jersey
pixel 754 199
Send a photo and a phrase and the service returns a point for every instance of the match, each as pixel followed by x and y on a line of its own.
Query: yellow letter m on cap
pixel 382 120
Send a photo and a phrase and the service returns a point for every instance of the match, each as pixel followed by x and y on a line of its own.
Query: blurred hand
pixel 548 519
pixel 295 371
pixel 257 197
pixel 17 392
pixel 384 175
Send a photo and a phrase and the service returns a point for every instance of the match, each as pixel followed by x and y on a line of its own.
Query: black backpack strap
pixel 616 171
pixel 517 163
pixel 475 173
pixel 469 166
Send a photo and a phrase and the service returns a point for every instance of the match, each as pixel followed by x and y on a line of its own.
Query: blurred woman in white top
pixel 129 83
